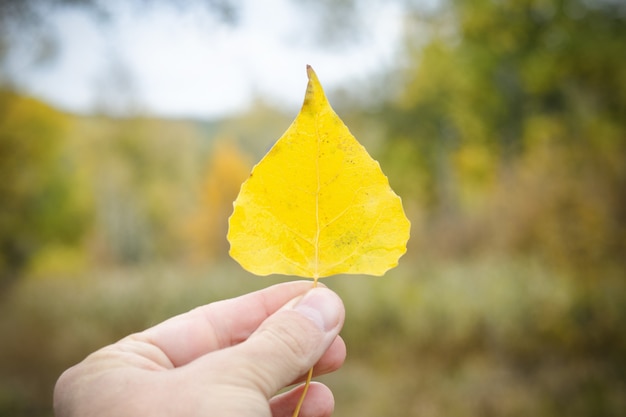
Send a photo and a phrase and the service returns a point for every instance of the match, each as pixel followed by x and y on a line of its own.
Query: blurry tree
pixel 141 173
pixel 36 11
pixel 25 25
pixel 494 88
pixel 490 68
pixel 39 204
pixel 206 229
pixel 257 129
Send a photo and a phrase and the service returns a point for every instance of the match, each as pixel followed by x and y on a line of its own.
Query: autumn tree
pixel 504 98
pixel 38 200
pixel 140 173
pixel 206 228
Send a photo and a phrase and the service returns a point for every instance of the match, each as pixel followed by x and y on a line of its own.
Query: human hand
pixel 228 358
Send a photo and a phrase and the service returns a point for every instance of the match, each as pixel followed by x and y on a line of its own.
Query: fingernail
pixel 321 306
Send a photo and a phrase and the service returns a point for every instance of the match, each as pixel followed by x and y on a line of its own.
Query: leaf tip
pixel 314 91
pixel 311 74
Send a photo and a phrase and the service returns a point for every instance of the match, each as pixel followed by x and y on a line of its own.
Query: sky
pixel 177 62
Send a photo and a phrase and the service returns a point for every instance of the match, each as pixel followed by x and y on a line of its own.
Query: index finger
pixel 214 326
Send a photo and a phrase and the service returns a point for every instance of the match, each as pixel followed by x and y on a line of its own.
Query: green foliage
pixel 141 174
pixel 83 191
pixel 38 201
pixel 503 91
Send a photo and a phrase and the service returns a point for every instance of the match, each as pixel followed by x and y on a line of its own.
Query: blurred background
pixel 127 127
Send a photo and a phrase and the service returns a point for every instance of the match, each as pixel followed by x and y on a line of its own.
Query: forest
pixel 501 126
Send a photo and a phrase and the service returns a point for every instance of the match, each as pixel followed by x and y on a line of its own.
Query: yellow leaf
pixel 317 204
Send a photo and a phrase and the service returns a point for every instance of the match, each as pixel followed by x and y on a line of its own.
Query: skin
pixel 228 358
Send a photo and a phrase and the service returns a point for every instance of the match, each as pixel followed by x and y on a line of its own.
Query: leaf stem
pixel 309 376
pixel 307 384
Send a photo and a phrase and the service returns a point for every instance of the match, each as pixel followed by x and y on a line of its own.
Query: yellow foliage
pixel 56 261
pixel 227 169
pixel 317 204
pixel 475 166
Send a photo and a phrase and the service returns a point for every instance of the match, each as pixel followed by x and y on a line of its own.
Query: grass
pixel 484 337
pixel 481 338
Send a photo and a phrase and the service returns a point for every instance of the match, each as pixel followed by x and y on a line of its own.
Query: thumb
pixel 288 342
